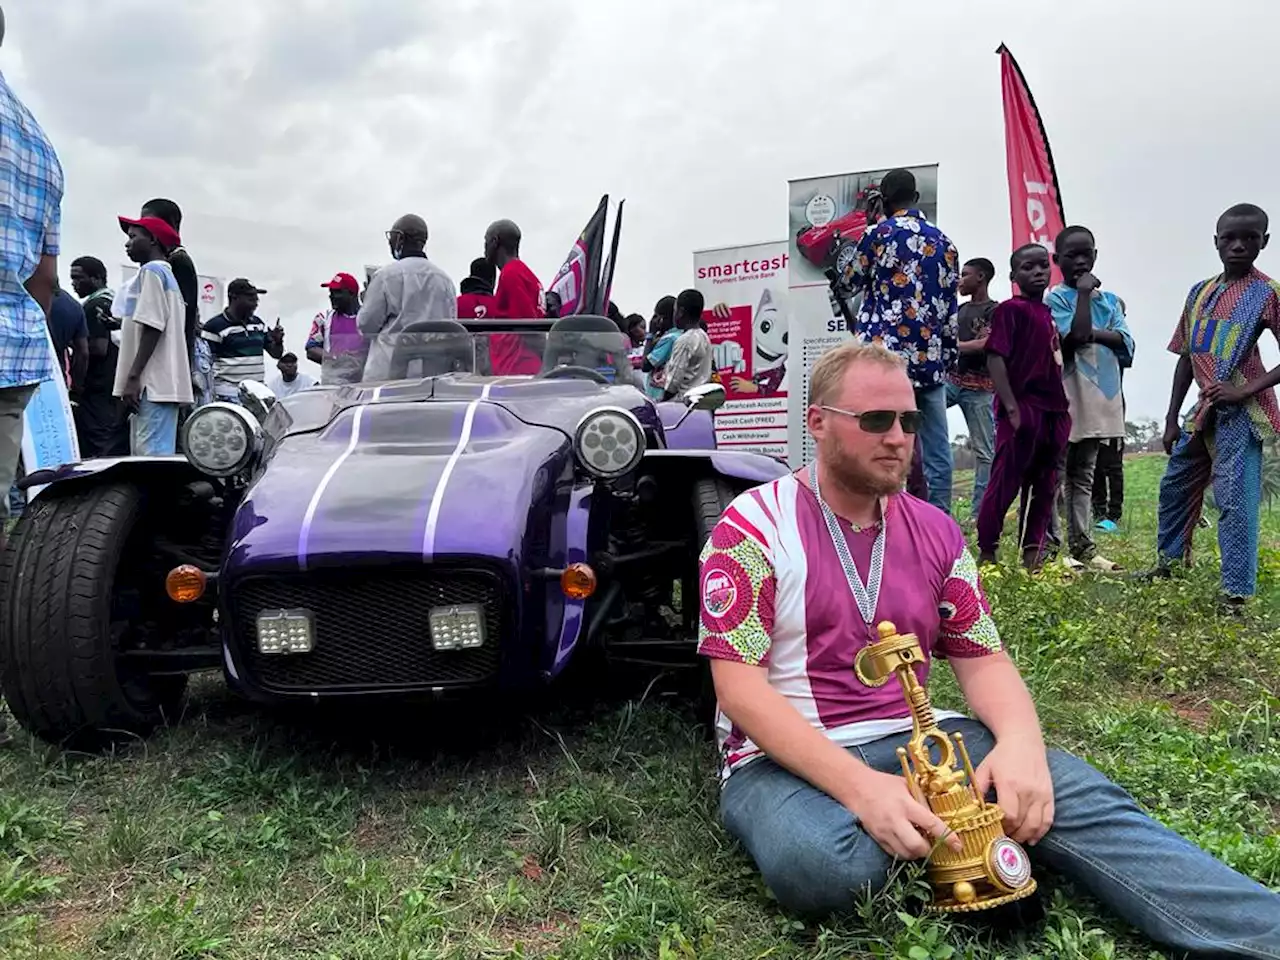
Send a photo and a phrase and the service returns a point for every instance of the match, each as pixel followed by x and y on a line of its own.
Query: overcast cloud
pixel 294 132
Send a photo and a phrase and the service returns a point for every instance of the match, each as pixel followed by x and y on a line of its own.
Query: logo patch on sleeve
pixel 719 593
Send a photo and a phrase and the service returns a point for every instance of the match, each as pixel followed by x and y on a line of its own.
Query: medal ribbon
pixel 866 595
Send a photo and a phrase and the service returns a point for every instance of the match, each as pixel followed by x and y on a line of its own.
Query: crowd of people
pixel 1040 376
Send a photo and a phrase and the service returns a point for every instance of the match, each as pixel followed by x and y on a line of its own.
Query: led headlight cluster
pixel 286 631
pixel 221 439
pixel 459 627
pixel 609 442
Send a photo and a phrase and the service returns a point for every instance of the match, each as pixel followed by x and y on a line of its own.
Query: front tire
pixel 711 498
pixel 62 625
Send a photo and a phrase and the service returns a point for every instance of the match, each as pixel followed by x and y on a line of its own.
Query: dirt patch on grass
pixel 1195 709
pixel 536 937
pixel 375 832
pixel 72 923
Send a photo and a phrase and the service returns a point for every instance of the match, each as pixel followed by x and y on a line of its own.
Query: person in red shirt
pixel 519 297
pixel 476 300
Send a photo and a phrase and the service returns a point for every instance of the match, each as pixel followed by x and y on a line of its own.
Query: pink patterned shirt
pixel 773 593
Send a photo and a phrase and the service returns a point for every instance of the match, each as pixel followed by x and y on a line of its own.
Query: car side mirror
pixel 709 396
pixel 257 398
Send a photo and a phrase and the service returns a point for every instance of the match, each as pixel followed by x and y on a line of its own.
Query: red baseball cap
pixel 164 234
pixel 343 281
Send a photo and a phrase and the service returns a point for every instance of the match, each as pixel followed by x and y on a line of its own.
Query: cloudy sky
pixel 294 132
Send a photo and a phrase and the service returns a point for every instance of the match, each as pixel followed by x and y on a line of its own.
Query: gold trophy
pixel 990 870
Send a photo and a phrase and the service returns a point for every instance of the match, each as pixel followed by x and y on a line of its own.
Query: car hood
pixel 400 480
pixel 553 403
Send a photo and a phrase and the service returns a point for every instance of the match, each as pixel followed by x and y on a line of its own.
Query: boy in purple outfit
pixel 1024 358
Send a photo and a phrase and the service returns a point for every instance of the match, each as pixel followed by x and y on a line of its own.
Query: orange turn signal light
pixel 578 581
pixel 185 583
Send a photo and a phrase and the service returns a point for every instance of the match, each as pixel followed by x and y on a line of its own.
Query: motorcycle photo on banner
pixel 827 217
pixel 745 289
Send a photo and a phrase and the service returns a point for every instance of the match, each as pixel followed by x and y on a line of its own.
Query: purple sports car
pixel 420 523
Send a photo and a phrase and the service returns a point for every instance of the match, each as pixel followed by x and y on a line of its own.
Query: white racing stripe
pixel 437 498
pixel 305 533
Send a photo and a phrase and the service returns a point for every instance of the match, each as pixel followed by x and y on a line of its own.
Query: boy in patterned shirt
pixel 1221 441
pixel 791 589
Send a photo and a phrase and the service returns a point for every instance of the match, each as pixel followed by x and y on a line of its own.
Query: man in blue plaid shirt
pixel 30 197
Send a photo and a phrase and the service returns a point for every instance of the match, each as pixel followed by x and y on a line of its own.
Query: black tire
pixel 711 497
pixel 58 638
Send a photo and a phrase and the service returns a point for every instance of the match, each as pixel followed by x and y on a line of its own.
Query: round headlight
pixel 609 442
pixel 221 439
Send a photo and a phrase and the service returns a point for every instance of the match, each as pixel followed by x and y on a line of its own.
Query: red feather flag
pixel 1035 202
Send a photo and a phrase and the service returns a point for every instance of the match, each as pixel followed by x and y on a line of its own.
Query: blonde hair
pixel 829 371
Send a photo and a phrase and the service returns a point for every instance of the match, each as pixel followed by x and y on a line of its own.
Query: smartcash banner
pixel 745 289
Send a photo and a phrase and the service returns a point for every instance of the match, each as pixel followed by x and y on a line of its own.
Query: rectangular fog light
pixel 286 631
pixel 459 627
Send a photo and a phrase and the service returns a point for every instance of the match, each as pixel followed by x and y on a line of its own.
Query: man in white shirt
pixel 290 380
pixel 153 372
pixel 404 292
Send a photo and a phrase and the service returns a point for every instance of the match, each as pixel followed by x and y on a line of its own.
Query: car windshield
pixel 597 355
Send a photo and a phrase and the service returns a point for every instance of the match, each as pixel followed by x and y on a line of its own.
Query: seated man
pixel 812 784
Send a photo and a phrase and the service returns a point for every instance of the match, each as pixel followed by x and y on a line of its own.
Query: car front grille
pixel 371 627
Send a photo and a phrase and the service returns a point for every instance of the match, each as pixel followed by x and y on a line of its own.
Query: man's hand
pixel 1015 417
pixel 1220 394
pixel 1087 283
pixel 132 395
pixel 1019 770
pixel 894 819
pixel 721 311
pixel 875 208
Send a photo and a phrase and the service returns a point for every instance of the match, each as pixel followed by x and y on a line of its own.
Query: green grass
pixel 588 829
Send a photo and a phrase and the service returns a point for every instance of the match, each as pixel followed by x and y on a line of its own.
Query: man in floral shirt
pixel 908 273
pixel 794 580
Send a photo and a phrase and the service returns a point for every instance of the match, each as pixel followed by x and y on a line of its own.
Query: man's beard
pixel 847 472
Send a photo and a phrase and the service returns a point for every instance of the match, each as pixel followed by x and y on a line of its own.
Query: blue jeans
pixel 935 442
pixel 817 860
pixel 155 428
pixel 1228 455
pixel 979 415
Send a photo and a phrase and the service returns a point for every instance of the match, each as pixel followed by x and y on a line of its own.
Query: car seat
pixel 588 341
pixel 431 348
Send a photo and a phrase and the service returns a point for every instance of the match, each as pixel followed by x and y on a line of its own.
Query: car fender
pixel 696 432
pixel 754 468
pixel 145 469
pixel 565 625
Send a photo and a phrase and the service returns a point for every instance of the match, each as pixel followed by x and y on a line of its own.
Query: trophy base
pixel 976 906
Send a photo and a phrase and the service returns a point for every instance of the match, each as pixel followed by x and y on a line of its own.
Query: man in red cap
pixel 335 341
pixel 153 373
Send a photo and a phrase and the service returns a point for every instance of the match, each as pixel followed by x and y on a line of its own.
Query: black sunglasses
pixel 881 421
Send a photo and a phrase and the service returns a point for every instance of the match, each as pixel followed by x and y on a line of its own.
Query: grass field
pixel 589 829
